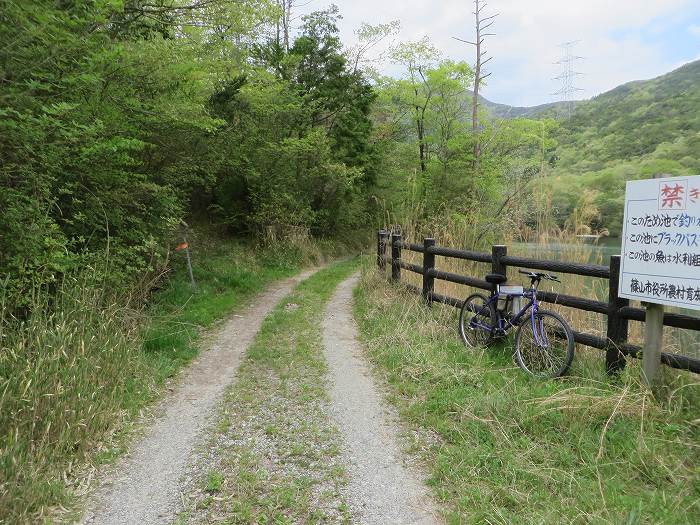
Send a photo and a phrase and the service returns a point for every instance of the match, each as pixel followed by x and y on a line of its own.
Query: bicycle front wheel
pixel 544 345
pixel 476 320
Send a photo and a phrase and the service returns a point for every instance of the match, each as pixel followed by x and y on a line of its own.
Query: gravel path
pixel 382 489
pixel 145 489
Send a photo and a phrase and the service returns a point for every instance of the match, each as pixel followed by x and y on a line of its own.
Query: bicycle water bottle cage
pixel 496 278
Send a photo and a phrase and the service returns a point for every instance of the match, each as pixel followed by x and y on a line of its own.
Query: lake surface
pixel 598 253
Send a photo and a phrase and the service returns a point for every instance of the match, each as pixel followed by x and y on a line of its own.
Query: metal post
pixel 653 339
pixel 395 257
pixel 497 266
pixel 381 249
pixel 428 265
pixel 618 328
pixel 189 264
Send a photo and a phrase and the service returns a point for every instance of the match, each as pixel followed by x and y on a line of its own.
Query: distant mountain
pixel 657 118
pixel 638 130
pixel 552 109
pixel 635 119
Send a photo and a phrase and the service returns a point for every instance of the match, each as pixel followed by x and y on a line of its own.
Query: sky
pixel 619 40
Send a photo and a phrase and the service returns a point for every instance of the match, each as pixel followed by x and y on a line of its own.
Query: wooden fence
pixel 618 310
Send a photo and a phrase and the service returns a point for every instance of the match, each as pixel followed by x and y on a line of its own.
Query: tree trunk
pixel 421 140
pixel 475 98
pixel 286 19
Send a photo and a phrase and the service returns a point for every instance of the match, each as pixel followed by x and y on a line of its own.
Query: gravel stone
pixel 382 489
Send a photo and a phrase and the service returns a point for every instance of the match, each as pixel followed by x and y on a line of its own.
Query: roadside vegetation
pixel 554 244
pixel 506 448
pixel 274 455
pixel 123 121
pixel 78 373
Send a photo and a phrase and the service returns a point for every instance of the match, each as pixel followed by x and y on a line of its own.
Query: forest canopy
pixel 120 119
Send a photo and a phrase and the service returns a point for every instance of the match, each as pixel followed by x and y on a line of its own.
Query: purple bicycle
pixel 544 342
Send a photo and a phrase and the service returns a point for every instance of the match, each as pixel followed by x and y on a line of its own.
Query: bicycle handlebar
pixel 536 276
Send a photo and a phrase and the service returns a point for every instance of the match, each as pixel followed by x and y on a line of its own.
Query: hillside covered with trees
pixel 653 119
pixel 637 130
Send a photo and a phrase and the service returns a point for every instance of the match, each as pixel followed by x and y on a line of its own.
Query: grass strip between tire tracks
pixel 274 456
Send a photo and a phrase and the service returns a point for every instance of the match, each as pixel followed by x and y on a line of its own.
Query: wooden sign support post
pixel 653 339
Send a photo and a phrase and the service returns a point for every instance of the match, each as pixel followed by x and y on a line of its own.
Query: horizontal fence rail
pixel 590 270
pixel 618 311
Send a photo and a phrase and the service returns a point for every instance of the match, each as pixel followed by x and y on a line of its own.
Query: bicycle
pixel 544 342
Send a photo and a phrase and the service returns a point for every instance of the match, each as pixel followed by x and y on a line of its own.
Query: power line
pixel 568 76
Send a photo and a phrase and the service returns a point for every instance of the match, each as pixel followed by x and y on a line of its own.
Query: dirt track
pixel 382 489
pixel 146 487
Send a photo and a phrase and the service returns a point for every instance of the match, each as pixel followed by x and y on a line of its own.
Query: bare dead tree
pixel 284 23
pixel 483 23
pixel 287 6
pixel 420 121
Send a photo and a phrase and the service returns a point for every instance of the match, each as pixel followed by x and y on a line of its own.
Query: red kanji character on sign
pixel 671 197
pixel 694 195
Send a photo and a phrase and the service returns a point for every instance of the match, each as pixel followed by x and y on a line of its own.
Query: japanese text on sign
pixel 661 242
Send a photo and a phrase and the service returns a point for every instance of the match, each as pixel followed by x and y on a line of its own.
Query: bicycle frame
pixel 505 324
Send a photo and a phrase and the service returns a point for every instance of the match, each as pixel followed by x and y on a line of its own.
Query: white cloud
pixel 694 30
pixel 528 33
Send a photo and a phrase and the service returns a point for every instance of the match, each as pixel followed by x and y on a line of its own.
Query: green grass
pixel 80 371
pixel 215 480
pixel 506 448
pixel 227 274
pixel 275 444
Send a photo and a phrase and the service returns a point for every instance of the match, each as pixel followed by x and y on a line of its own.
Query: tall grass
pixel 505 448
pixel 69 374
pixel 552 244
pixel 83 366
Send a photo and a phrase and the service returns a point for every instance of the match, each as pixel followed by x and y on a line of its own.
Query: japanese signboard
pixel 661 242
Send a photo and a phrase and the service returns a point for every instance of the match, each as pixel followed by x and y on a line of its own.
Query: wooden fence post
pixel 618 328
pixel 653 339
pixel 497 266
pixel 428 264
pixel 395 257
pixel 381 249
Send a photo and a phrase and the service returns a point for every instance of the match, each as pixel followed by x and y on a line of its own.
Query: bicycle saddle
pixel 496 278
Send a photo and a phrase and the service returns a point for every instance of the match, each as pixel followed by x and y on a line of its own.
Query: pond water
pixel 598 253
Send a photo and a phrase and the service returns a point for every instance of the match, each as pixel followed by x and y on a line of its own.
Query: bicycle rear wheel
pixel 544 347
pixel 476 320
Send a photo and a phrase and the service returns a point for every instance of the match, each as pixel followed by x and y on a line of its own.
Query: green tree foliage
pixel 296 136
pixel 118 118
pixel 423 128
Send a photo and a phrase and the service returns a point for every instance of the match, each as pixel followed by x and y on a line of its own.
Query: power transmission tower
pixel 568 76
